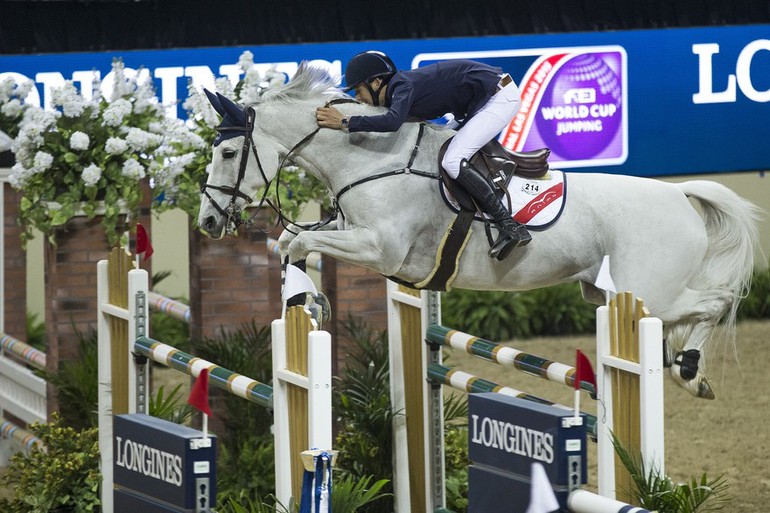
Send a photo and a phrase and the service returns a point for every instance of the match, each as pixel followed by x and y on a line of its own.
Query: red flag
pixel 143 244
pixel 583 370
pixel 199 395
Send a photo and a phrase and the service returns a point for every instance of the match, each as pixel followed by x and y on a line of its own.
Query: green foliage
pixel 76 383
pixel 756 305
pixel 243 503
pixel 63 475
pixel 247 442
pixel 36 336
pixel 456 467
pixel 456 451
pixel 553 311
pixel 362 403
pixel 257 455
pixel 351 495
pixel 173 408
pixel 657 492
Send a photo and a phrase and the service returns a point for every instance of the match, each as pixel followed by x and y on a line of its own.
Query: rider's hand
pixel 329 117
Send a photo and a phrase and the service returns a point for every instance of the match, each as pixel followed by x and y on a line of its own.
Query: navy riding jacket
pixel 461 87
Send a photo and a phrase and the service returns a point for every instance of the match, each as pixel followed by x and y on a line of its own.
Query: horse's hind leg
pixel 695 321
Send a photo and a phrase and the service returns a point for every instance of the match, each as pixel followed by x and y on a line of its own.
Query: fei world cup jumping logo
pixel 573 101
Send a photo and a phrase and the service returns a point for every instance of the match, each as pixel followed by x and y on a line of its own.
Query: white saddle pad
pixel 535 203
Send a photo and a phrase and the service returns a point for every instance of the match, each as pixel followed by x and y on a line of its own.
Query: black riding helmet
pixel 366 66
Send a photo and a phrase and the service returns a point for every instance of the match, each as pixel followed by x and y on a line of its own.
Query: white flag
pixel 541 496
pixel 296 282
pixel 604 278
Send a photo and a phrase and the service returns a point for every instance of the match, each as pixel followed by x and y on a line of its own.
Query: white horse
pixel 690 268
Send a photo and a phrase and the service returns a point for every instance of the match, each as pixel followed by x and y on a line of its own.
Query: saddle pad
pixel 536 203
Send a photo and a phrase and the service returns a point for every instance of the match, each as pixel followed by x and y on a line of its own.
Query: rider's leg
pixel 511 233
pixel 486 124
pixel 479 130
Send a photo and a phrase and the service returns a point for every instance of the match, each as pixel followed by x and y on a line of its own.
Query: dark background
pixel 29 26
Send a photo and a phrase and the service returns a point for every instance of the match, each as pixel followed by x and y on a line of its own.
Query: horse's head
pixel 236 171
pixel 251 141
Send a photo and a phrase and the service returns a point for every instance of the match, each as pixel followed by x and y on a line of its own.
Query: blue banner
pixel 648 102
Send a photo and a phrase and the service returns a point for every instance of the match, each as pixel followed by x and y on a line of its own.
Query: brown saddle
pixel 499 164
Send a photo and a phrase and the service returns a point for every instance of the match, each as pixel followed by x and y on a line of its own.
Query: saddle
pixel 499 164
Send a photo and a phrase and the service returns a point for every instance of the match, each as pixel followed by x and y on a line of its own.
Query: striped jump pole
pixel 232 382
pixel 472 384
pixel 507 356
pixel 171 307
pixel 301 373
pixel 23 352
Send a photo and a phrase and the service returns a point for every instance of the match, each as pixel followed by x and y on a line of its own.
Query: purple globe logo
pixel 580 112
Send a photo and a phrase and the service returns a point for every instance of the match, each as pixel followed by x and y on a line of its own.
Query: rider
pixel 482 99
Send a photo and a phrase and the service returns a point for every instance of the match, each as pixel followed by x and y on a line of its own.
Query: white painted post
pixel 137 282
pixel 281 416
pixel 650 371
pixel 104 387
pixel 319 390
pixel 652 396
pixel 605 453
pixel 401 481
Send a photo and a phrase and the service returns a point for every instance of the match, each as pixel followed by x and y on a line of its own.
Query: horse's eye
pixel 228 154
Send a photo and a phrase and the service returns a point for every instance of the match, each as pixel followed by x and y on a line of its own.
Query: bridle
pixel 233 212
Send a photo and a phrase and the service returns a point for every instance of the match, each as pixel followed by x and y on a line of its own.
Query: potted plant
pixel 91 156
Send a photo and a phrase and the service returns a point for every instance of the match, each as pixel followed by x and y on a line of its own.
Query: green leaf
pixel 59 218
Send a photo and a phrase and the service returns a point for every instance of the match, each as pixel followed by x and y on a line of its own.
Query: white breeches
pixel 489 121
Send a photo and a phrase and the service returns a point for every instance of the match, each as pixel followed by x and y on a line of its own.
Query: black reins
pixel 233 213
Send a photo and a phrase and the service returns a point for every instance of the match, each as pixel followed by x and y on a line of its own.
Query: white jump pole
pixel 583 501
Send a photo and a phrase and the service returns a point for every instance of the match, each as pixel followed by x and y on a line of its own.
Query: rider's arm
pixel 397 113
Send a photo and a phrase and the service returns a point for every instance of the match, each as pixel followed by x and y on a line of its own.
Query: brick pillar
pixel 15 268
pixel 352 291
pixel 229 283
pixel 70 289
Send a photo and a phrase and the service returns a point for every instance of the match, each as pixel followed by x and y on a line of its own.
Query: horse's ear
pixel 214 102
pixel 237 115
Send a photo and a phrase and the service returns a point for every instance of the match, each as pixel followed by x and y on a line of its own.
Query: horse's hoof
pixel 699 386
pixel 319 308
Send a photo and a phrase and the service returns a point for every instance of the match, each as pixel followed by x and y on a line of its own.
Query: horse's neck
pixel 338 159
pixel 341 159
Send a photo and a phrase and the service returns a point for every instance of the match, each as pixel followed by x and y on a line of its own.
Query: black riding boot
pixel 512 234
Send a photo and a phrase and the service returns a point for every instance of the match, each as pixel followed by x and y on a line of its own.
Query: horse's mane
pixel 309 82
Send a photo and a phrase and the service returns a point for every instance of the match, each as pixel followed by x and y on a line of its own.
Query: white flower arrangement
pixel 88 153
pixel 12 108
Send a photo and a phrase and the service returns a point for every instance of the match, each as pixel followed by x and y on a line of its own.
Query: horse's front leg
pixel 289 234
pixel 357 246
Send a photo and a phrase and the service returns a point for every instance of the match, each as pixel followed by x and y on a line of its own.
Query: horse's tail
pixel 732 227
